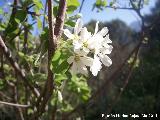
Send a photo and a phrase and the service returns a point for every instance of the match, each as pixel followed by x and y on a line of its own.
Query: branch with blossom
pixel 88 49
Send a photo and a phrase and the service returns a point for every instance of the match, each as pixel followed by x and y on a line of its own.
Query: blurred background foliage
pixel 141 95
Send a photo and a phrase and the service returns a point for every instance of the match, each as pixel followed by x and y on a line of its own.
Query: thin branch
pixel 60 18
pixel 16 67
pixel 80 9
pixel 4 96
pixel 13 104
pixel 122 8
pixel 54 34
pixel 116 99
pixel 15 100
pixel 44 19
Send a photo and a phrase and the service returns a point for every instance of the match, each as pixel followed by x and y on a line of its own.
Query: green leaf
pixel 72 5
pixel 70 23
pixel 38 3
pixel 62 68
pixel 59 78
pixel 2 27
pixel 55 10
pixel 101 3
pixel 59 61
pixel 1 11
pixel 39 23
pixel 56 56
pixel 79 85
pixel 20 16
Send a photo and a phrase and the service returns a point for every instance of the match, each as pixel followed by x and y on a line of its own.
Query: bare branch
pixel 80 9
pixel 16 67
pixel 122 8
pixel 116 99
pixel 54 34
pixel 13 104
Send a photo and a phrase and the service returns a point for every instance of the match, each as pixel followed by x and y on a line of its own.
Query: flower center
pixel 85 44
pixel 76 37
pixel 77 58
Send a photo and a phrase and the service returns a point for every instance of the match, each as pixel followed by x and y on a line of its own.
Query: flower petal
pixel 104 31
pixel 68 34
pixel 74 68
pixel 77 45
pixel 78 26
pixel 85 34
pixel 82 68
pixel 70 59
pixel 96 28
pixel 88 61
pixel 106 49
pixel 107 39
pixel 106 60
pixel 96 66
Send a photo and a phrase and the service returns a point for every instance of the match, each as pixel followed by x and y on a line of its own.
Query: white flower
pixel 79 62
pixel 96 66
pixel 104 50
pixel 77 29
pixel 101 39
pixel 84 41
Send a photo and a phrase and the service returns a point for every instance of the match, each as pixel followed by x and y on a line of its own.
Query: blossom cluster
pixel 89 50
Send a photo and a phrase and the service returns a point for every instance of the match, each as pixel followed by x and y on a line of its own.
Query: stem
pixel 54 34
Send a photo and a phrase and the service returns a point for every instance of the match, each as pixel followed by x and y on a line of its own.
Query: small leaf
pixel 72 5
pixel 62 68
pixel 70 23
pixel 20 16
pixel 39 23
pixel 59 78
pixel 38 3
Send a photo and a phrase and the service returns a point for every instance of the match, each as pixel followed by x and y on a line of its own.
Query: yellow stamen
pixel 76 37
pixel 85 44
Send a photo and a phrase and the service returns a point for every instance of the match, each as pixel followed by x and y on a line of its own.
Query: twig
pixel 16 67
pixel 116 99
pixel 45 9
pixel 15 100
pixel 33 13
pixel 4 96
pixel 80 9
pixel 13 104
pixel 122 8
